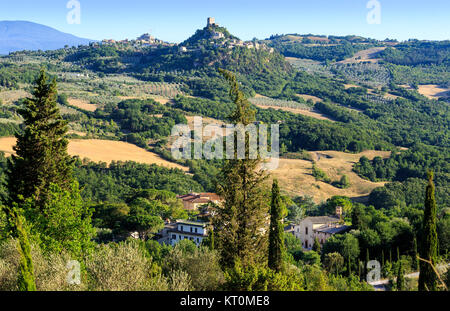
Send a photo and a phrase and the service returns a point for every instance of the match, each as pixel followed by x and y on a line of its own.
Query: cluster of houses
pixel 307 230
pixel 216 37
pixel 146 40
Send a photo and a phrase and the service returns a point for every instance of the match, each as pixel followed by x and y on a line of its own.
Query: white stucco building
pixel 184 229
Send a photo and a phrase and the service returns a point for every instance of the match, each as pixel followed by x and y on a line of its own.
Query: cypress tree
pixel 382 257
pixel 415 261
pixel 429 241
pixel 240 222
pixel 400 277
pixel 367 260
pixel 349 267
pixel 360 270
pixel 40 177
pixel 316 246
pixel 211 239
pixel 41 151
pixel 276 231
pixel 18 227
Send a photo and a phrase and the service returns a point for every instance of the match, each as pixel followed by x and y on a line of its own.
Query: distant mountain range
pixel 23 35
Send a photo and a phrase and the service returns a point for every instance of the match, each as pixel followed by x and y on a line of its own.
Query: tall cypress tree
pixel 415 261
pixel 19 229
pixel 41 151
pixel 211 238
pixel 240 222
pixel 367 260
pixel 276 231
pixel 400 277
pixel 40 177
pixel 428 246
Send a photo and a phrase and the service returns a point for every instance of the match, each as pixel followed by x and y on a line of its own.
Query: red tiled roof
pixel 204 197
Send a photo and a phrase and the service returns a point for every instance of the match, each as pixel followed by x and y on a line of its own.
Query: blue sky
pixel 175 20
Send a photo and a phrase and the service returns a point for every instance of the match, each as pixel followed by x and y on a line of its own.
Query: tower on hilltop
pixel 211 22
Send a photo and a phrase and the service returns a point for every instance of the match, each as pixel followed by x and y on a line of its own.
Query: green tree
pixel 344 181
pixel 276 230
pixel 415 261
pixel 41 151
pixel 316 246
pixel 428 247
pixel 18 226
pixel 211 238
pixel 333 263
pixel 400 277
pixel 40 177
pixel 63 222
pixel 357 214
pixel 240 222
pixel 143 221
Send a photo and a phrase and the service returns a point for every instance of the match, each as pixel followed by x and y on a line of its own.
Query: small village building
pixel 320 227
pixel 193 201
pixel 172 233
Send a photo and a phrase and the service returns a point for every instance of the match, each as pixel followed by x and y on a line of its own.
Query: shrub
pixel 254 278
pixel 200 264
pixel 320 174
pixel 50 271
pixel 122 267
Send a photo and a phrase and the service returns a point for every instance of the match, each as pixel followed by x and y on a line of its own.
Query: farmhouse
pixel 320 227
pixel 193 201
pixel 172 233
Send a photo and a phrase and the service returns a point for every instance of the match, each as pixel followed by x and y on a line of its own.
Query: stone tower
pixel 211 21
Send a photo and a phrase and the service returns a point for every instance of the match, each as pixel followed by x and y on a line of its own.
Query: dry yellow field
pixel 8 97
pixel 295 176
pixel 368 55
pixel 206 121
pixel 433 91
pixel 104 151
pixel 161 99
pixel 315 99
pixel 82 104
pixel 347 86
pixel 310 113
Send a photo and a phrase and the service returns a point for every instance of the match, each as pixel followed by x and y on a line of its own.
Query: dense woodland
pixel 112 200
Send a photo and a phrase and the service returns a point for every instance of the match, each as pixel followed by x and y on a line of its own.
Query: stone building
pixel 320 227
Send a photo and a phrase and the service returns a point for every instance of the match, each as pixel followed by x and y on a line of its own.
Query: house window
pixel 306 230
pixel 174 236
pixel 181 228
pixel 195 230
pixel 306 244
pixel 191 229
